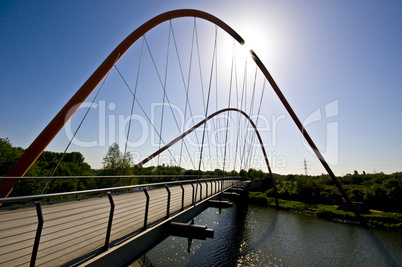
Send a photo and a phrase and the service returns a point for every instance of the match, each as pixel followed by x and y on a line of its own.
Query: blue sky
pixel 317 51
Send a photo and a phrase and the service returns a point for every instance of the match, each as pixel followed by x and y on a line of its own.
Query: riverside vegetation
pixel 311 195
pixel 71 164
pixel 318 196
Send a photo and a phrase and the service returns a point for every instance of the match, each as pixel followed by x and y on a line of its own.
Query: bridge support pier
pixel 192 231
pixel 133 248
pixel 231 195
pixel 219 204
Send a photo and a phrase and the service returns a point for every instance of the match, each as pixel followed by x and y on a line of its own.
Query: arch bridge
pixel 180 100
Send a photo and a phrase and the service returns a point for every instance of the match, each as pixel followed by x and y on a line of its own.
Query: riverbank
pixel 377 219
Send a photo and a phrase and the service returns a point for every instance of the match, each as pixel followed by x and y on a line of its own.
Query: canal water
pixel 259 236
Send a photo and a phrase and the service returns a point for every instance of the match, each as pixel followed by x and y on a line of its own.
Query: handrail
pixel 92 219
pixel 102 190
pixel 105 176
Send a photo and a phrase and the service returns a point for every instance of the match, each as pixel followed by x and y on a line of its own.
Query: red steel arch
pixel 203 122
pixel 52 129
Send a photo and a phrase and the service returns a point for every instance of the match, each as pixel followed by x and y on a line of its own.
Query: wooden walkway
pixel 77 228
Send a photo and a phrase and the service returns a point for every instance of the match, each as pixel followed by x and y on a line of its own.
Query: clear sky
pixel 340 58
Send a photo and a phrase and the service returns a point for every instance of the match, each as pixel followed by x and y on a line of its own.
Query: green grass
pixel 377 219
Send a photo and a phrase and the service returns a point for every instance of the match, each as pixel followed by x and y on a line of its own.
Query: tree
pixel 8 155
pixel 73 164
pixel 243 173
pixel 115 162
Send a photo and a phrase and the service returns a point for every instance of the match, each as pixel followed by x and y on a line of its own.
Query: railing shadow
pixel 383 251
pixel 264 236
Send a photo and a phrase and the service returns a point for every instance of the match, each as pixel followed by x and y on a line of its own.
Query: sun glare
pixel 242 51
pixel 254 40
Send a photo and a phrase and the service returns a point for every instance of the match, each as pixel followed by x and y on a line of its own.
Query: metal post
pixel 109 225
pixel 146 209
pixel 211 187
pixel 200 191
pixel 78 185
pixel 193 200
pixel 168 201
pixel 38 233
pixel 206 189
pixel 182 196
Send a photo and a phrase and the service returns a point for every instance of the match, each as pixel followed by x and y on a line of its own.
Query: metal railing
pixel 74 229
pixel 99 181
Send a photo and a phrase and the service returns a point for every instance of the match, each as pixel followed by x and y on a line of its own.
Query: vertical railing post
pixel 182 196
pixel 38 233
pixel 206 189
pixel 78 185
pixel 211 188
pixel 146 208
pixel 200 191
pixel 193 200
pixel 109 225
pixel 168 201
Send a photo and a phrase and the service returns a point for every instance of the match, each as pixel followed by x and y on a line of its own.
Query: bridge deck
pixel 77 228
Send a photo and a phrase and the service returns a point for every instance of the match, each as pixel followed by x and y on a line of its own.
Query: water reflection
pixel 223 249
pixel 251 248
pixel 265 235
pixel 388 259
pixel 257 236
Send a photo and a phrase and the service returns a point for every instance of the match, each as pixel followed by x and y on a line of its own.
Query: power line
pixel 305 167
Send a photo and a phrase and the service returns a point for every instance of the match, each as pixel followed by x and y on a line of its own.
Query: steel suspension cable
pixel 227 120
pixel 209 94
pixel 139 104
pixel 262 96
pixel 218 139
pixel 253 136
pixel 186 89
pixel 79 126
pixel 199 64
pixel 165 95
pixel 164 86
pixel 244 97
pixel 132 107
pixel 200 69
pixel 206 115
pixel 143 110
pixel 250 112
pixel 237 106
pixel 239 121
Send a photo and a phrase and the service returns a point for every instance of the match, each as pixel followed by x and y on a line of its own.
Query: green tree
pixel 243 173
pixel 116 163
pixel 8 155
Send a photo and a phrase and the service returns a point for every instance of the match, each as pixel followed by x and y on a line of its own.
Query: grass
pixel 377 219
